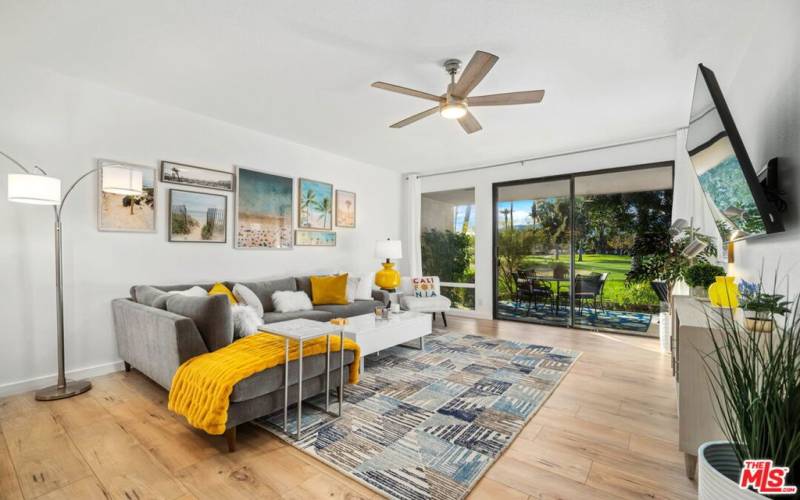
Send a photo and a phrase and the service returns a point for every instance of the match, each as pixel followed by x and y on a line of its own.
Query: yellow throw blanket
pixel 202 386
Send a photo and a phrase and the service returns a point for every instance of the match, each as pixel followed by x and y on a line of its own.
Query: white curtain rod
pixel 552 155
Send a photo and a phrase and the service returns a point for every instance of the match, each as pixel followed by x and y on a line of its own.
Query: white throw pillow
pixel 195 291
pixel 245 320
pixel 248 297
pixel 291 301
pixel 364 290
pixel 352 288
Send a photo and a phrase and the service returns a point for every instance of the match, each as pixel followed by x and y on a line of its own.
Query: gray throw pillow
pixel 211 315
pixel 150 296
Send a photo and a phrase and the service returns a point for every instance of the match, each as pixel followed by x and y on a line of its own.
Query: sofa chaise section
pixel 156 342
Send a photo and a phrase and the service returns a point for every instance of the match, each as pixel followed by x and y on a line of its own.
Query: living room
pixel 496 216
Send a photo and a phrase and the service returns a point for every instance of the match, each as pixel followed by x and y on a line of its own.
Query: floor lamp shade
pixel 34 189
pixel 122 180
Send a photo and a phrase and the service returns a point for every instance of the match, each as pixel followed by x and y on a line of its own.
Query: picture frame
pixel 188 209
pixel 191 175
pixel 311 238
pixel 345 209
pixel 314 204
pixel 263 210
pixel 127 214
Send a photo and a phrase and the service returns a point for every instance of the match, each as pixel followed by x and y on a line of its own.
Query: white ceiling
pixel 613 69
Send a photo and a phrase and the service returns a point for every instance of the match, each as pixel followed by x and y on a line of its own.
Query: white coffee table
pixel 373 334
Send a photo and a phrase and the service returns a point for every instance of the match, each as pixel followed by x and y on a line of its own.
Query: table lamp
pixel 41 189
pixel 388 278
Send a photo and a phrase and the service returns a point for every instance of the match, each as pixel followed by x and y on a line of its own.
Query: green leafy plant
pixel 658 256
pixel 755 379
pixel 702 274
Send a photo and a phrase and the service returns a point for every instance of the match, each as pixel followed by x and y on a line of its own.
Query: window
pixel 448 243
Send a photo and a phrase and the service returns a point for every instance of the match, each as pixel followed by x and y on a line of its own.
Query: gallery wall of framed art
pixel 263 207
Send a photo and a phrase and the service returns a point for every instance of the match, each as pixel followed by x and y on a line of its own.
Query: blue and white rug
pixel 428 424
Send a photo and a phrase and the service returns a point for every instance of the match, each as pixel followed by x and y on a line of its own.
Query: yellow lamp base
pixel 388 277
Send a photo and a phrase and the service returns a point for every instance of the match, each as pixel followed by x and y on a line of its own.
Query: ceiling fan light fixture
pixel 453 110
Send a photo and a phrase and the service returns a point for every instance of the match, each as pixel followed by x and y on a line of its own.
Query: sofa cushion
pixel 274 317
pixel 265 289
pixel 211 314
pixel 177 288
pixel 356 308
pixel 303 284
pixel 271 380
pixel 150 296
pixel 425 304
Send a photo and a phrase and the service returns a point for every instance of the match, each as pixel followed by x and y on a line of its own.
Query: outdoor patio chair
pixel 587 287
pixel 528 288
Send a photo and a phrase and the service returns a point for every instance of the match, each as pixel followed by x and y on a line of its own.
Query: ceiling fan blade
pixel 407 91
pixel 524 97
pixel 414 118
pixel 476 69
pixel 469 123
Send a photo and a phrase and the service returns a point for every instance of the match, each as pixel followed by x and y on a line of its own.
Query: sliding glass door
pixel 532 245
pixel 564 247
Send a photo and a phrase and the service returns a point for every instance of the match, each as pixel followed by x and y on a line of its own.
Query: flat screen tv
pixel 730 184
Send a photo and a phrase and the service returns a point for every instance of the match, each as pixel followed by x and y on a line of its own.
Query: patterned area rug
pixel 588 317
pixel 428 424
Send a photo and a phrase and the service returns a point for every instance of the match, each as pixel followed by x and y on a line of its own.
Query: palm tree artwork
pixel 316 204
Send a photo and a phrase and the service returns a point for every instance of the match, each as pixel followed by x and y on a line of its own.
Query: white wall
pixel 481 180
pixel 63 125
pixel 764 97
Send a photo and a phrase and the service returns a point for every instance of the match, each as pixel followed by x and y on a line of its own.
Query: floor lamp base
pixel 73 388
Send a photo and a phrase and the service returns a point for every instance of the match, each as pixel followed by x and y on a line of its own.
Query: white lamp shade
pixel 34 189
pixel 389 249
pixel 122 180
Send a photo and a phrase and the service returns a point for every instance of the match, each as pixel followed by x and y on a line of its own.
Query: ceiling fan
pixel 455 103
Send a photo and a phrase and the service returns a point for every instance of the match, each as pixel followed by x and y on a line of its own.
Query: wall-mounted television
pixel 731 186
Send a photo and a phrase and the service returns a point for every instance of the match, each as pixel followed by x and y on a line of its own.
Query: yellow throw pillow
pixel 220 289
pixel 329 290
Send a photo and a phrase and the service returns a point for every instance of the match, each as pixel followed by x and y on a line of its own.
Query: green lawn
pixel 616 294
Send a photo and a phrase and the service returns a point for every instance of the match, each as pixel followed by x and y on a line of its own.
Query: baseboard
pixel 40 382
pixel 468 314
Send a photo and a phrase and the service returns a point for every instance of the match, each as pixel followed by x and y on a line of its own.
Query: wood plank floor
pixel 609 431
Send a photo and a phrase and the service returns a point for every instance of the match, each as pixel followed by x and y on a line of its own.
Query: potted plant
pixel 755 384
pixel 699 276
pixel 760 308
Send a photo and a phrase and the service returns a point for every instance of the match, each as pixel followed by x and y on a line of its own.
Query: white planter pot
pixel 664 330
pixel 718 473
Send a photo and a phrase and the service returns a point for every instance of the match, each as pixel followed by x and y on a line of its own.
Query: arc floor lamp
pixel 40 189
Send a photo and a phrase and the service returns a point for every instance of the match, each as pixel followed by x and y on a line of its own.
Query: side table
pixel 300 331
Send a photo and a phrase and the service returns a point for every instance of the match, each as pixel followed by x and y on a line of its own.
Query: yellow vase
pixel 724 292
pixel 388 278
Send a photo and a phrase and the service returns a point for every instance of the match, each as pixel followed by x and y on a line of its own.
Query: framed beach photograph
pixel 307 238
pixel 197 217
pixel 189 175
pixel 345 209
pixel 263 215
pixel 127 213
pixel 314 204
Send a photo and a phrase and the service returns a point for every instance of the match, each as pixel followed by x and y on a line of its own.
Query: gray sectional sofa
pixel 156 332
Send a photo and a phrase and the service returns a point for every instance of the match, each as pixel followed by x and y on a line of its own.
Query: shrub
pixel 702 274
